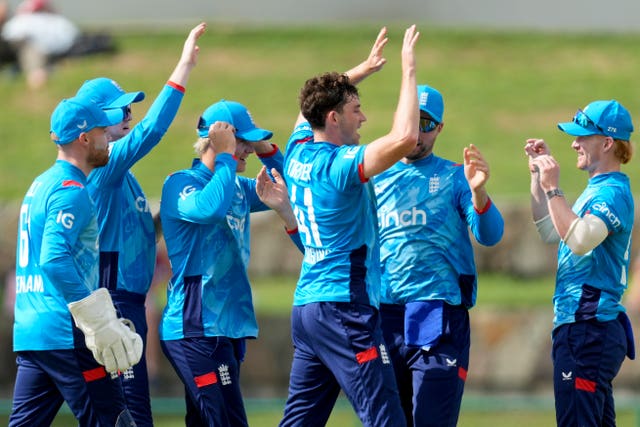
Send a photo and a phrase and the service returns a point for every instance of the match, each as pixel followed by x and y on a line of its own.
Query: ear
pixel 332 117
pixel 84 139
pixel 608 143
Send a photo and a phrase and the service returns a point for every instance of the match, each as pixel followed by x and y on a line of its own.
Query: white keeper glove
pixel 113 342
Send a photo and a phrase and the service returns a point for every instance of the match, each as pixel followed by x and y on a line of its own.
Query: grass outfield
pixel 499 88
pixel 477 411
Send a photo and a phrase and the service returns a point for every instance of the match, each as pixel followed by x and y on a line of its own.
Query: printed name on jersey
pixel 300 171
pixel 189 189
pixel 66 219
pixel 611 217
pixel 29 283
pixel 313 255
pixel 406 217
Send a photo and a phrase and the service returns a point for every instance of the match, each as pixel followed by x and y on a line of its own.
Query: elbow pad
pixel 585 234
pixel 546 230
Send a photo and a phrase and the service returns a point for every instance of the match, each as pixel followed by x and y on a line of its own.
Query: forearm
pixel 359 73
pixel 538 199
pixel 488 226
pixel 480 198
pixel 561 215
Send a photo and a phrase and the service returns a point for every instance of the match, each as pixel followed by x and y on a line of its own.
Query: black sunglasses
pixel 427 125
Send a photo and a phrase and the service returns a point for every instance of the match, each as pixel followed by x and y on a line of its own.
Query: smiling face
pixel 243 150
pixel 590 150
pixel 349 121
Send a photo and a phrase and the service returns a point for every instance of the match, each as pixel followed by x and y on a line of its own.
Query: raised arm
pixel 373 63
pixel 387 150
pixel 189 56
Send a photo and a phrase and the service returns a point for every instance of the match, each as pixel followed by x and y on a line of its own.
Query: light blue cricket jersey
pixel 425 213
pixel 335 208
pixel 591 286
pixel 56 258
pixel 127 235
pixel 205 219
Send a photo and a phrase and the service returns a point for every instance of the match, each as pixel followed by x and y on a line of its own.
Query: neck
pixel 604 167
pixel 71 156
pixel 324 136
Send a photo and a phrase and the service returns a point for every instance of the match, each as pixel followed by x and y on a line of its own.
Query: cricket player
pixel 335 323
pixel 57 286
pixel 426 207
pixel 127 235
pixel 592 333
pixel 205 213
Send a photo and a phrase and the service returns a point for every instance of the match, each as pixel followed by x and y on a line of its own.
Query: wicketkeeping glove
pixel 113 342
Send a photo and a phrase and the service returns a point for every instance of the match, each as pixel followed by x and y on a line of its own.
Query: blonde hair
pixel 201 145
pixel 623 150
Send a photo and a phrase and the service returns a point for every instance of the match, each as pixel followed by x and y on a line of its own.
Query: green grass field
pixel 499 87
pixel 477 411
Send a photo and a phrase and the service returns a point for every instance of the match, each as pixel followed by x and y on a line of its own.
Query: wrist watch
pixel 553 193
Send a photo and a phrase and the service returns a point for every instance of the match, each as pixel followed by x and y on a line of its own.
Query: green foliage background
pixel 499 87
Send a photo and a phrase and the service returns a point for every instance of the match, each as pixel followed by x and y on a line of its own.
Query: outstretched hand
pixel 189 56
pixel 476 168
pixel 191 49
pixel 273 193
pixel 374 62
pixel 411 36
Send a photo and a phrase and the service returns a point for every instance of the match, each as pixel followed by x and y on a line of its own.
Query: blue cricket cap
pixel 236 115
pixel 76 115
pixel 107 93
pixel 431 102
pixel 607 118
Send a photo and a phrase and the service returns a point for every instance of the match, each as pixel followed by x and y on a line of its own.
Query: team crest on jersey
pixel 434 184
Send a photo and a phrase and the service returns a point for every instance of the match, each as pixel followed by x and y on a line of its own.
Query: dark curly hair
pixel 323 93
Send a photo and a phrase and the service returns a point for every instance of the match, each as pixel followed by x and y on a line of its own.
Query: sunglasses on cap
pixel 427 125
pixel 581 119
pixel 202 124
